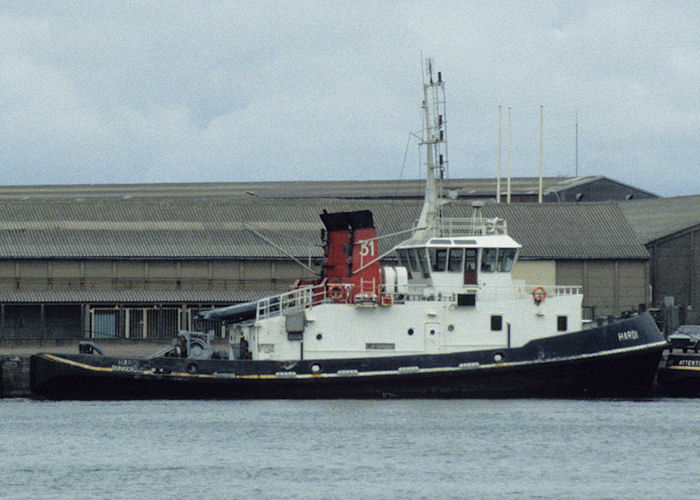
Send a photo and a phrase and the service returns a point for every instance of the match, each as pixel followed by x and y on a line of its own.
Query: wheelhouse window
pixel 414 264
pixel 423 261
pixel 454 263
pixel 506 257
pixel 438 259
pixel 418 262
pixel 489 259
pixel 404 261
pixel 497 260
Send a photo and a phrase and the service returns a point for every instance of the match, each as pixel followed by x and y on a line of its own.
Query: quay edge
pixel 14 377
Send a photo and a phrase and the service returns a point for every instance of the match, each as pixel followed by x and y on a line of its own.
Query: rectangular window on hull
pixel 496 323
pixel 562 325
pixel 466 299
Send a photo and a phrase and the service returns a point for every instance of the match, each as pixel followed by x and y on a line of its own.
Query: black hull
pixel 679 374
pixel 600 363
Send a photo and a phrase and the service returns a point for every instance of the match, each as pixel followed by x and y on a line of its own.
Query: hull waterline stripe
pixel 686 368
pixel 396 372
pixel 121 371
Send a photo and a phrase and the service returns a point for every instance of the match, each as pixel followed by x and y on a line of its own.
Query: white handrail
pixel 306 297
pixel 449 294
pixel 292 301
pixel 452 227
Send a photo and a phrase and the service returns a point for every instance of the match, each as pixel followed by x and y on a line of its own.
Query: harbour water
pixel 350 449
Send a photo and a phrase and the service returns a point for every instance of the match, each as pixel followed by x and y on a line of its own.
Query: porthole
pixel 319 336
pixel 315 369
pixel 410 331
pixel 432 332
pixel 450 328
pixel 498 357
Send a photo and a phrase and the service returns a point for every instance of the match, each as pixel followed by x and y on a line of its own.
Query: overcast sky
pixel 169 91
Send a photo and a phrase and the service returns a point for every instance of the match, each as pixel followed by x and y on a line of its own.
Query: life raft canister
pixel 538 294
pixel 337 293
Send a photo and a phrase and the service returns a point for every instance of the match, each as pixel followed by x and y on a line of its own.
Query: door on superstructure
pixel 432 336
pixel 470 267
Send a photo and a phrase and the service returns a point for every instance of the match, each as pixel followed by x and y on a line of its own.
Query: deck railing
pixel 449 294
pixel 290 302
pixel 453 227
pixel 309 296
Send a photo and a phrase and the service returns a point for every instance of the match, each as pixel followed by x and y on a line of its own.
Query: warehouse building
pixel 670 230
pixel 139 263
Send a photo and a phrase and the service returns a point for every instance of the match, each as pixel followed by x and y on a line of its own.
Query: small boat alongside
pixel 679 371
pixel 447 321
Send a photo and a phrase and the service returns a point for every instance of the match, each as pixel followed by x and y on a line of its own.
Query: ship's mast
pixel 434 141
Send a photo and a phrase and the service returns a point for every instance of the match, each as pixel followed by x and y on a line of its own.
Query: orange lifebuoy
pixel 539 294
pixel 337 293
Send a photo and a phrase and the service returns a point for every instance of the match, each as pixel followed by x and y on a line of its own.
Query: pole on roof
pixel 539 193
pixel 498 162
pixel 508 188
pixel 576 139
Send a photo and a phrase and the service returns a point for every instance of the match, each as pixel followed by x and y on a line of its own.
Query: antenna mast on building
pixel 498 162
pixel 508 184
pixel 576 153
pixel 539 192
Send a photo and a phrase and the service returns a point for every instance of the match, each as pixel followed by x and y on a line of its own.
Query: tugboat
pixel 448 321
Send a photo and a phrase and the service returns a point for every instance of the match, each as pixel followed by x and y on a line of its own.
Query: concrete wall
pixel 21 322
pixel 609 286
pixel 536 272
pixel 119 274
pixel 14 377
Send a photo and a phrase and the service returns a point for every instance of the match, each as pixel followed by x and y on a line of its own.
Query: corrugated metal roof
pixel 577 182
pixel 376 189
pixel 194 228
pixel 656 218
pixel 570 230
pixel 133 296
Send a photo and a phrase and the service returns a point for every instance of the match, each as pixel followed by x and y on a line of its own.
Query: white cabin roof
pixel 489 241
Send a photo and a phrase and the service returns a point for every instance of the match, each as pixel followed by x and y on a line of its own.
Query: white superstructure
pixel 451 292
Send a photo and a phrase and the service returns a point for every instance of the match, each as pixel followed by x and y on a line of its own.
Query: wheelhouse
pixel 456 262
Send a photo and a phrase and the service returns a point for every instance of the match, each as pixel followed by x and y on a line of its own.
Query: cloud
pixel 178 91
